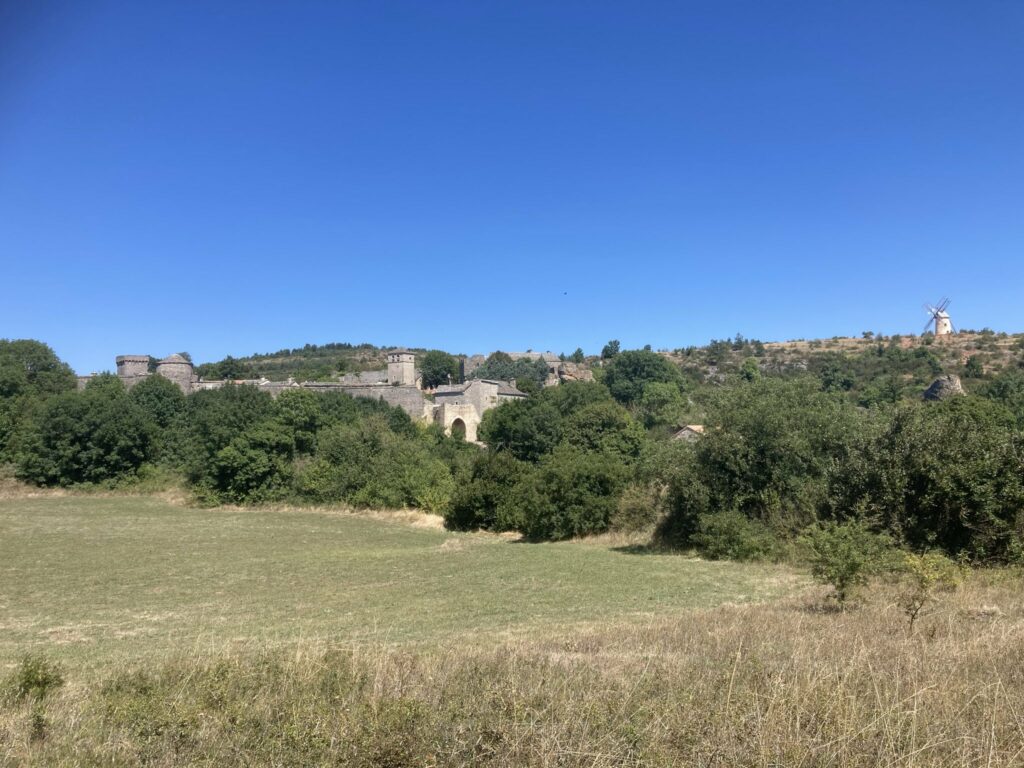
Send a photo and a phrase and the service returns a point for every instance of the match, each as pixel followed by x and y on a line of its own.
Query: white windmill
pixel 939 316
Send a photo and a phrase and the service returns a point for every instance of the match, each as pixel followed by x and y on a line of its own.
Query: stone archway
pixel 458 418
pixel 458 429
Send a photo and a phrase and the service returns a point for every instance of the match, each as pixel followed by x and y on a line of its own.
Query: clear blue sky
pixel 226 178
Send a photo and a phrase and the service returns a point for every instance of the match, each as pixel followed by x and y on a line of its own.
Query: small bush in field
pixel 35 676
pixel 731 535
pixel 928 574
pixel 846 555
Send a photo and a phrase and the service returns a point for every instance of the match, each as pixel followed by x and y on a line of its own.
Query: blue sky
pixel 226 178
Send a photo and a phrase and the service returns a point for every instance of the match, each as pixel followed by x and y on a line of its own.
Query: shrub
pixel 730 535
pixel 369 465
pixel 846 555
pixel 927 574
pixel 35 676
pixel 569 493
pixel 639 508
pixel 256 465
pixel 476 503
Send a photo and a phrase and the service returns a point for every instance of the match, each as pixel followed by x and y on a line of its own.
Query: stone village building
pixel 457 408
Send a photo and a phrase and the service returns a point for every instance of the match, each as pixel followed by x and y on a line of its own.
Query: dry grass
pixel 223 637
pixel 785 683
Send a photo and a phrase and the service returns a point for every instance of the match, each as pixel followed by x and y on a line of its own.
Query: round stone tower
pixel 132 366
pixel 177 369
pixel 402 368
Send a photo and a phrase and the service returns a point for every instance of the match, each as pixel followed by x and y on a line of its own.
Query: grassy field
pixel 282 637
pixel 98 580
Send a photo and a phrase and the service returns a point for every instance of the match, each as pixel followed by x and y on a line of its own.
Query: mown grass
pixel 567 655
pixel 102 579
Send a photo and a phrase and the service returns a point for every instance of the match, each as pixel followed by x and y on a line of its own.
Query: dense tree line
pixel 782 453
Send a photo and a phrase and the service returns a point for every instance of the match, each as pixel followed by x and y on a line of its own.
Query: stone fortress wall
pixel 457 407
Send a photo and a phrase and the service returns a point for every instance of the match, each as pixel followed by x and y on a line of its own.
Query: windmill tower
pixel 939 316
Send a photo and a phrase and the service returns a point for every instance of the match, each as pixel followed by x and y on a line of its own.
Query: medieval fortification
pixel 457 408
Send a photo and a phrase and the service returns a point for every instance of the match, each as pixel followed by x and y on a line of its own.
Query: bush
pixel 927 574
pixel 730 535
pixel 639 508
pixel 846 555
pixel 35 676
pixel 256 465
pixel 476 503
pixel 569 493
pixel 369 465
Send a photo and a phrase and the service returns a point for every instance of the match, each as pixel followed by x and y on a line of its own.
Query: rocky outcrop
pixel 946 386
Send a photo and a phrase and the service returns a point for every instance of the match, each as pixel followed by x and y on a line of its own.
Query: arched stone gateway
pixel 458 419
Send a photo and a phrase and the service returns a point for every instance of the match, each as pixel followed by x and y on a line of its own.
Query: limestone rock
pixel 947 385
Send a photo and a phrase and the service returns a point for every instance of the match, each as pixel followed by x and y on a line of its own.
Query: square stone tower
pixel 402 368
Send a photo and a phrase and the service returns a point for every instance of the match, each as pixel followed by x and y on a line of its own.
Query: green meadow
pixel 101 580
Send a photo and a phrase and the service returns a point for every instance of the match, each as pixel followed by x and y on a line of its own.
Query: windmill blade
pixel 925 330
pixel 943 304
pixel 953 327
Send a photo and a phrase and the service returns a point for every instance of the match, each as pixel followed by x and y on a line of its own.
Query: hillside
pixel 312 362
pixel 872 368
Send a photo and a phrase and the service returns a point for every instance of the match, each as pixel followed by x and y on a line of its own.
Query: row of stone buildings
pixel 458 408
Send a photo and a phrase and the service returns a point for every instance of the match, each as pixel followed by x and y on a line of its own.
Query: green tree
pixel 438 368
pixel 750 371
pixel 256 465
pixel 30 373
pixel 212 419
pixel 604 427
pixel 974 369
pixel 662 404
pixel 478 502
pixel 93 436
pixel 629 372
pixel 569 493
pixel 610 350
pixel 300 411
pixel 945 474
pixel 527 429
pixel 160 399
pixel 369 465
pixel 577 356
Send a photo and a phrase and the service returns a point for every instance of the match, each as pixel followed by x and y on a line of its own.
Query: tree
pixel 527 429
pixel 569 493
pixel 438 368
pixel 661 404
pixel 946 474
pixel 974 369
pixel 160 399
pixel 256 465
pixel 770 450
pixel 93 436
pixel 610 350
pixel 577 356
pixel 476 503
pixel 30 373
pixel 629 372
pixel 29 367
pixel 604 427
pixel 750 371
